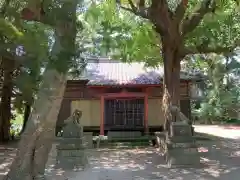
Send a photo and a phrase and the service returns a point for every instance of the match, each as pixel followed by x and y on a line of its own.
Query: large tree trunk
pixel 36 140
pixel 171 82
pixel 6 95
pixel 40 129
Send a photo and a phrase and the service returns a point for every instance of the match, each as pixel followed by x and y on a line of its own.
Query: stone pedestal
pixel 71 149
pixel 181 146
pixel 161 141
pixel 71 159
pixel 88 140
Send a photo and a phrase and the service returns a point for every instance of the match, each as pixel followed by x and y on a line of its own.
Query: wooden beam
pixel 124 94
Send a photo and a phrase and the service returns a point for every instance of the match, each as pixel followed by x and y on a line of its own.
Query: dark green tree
pixel 168 31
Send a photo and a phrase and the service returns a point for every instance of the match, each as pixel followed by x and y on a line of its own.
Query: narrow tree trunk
pixel 171 91
pixel 6 95
pixel 26 115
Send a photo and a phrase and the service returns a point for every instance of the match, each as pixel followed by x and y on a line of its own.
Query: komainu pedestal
pixel 71 149
pixel 181 147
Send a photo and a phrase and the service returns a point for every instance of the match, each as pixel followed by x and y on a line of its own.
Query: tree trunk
pixel 26 115
pixel 6 95
pixel 36 140
pixel 171 83
pixel 40 129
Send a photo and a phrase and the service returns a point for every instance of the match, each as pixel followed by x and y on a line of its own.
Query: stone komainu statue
pixel 74 118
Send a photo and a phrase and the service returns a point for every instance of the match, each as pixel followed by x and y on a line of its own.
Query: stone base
pixel 179 146
pixel 187 157
pixel 161 141
pixel 88 139
pixel 186 161
pixel 71 159
pixel 180 142
pixel 69 143
pixel 71 154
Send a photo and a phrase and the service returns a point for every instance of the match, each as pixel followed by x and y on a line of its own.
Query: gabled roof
pixel 110 72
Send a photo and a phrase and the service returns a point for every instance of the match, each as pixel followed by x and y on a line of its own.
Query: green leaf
pixel 9 30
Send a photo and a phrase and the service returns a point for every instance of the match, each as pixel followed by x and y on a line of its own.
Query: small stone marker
pixel 71 150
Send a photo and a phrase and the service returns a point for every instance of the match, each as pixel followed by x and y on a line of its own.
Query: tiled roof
pixel 119 73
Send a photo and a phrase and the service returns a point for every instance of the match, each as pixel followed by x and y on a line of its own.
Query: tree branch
pixel 161 16
pixel 180 11
pixel 137 13
pixel 163 5
pixel 142 12
pixel 189 25
pixel 4 7
pixel 35 11
pixel 204 49
pixel 134 8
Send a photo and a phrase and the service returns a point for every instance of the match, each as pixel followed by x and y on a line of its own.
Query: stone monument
pixel 71 149
pixel 181 147
pixel 178 144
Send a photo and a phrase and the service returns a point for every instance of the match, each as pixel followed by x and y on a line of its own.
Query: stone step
pixel 124 134
pixel 131 139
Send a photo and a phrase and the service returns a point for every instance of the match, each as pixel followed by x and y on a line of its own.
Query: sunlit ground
pixel 220 159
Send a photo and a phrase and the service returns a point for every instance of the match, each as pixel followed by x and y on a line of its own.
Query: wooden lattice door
pixel 127 113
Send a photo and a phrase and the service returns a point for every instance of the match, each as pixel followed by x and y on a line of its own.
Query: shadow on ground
pixel 222 162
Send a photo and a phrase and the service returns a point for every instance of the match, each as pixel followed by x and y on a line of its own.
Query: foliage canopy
pixel 204 29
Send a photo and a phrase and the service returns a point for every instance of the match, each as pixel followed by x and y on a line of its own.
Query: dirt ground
pixel 221 161
pixel 7 154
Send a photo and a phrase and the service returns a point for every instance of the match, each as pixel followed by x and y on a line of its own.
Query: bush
pixel 233 121
pixel 15 130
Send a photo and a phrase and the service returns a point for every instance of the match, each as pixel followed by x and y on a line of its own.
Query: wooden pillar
pixel 102 116
pixel 146 130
